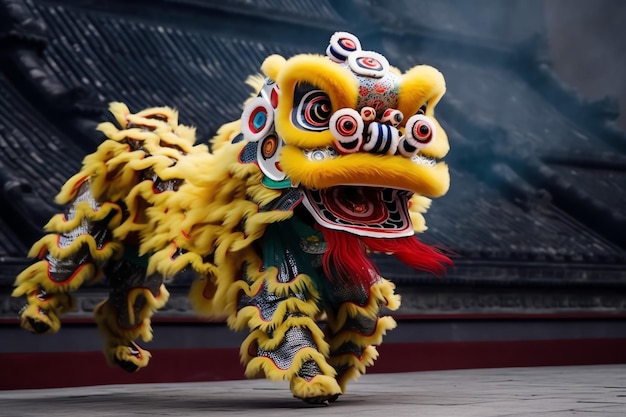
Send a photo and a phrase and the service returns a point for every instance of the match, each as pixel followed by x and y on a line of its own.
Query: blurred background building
pixel 536 210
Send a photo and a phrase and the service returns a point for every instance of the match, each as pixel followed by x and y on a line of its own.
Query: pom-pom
pixel 341 45
pixel 381 138
pixel 420 131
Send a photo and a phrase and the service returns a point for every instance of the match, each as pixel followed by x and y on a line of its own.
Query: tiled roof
pixel 141 63
pixel 320 12
pixel 477 222
pixel 35 160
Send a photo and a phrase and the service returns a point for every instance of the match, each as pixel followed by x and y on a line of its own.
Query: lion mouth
pixel 362 210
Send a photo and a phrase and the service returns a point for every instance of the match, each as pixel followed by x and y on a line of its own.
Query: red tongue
pixel 360 205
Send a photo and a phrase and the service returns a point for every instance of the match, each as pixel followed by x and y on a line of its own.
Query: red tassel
pixel 346 256
pixel 413 252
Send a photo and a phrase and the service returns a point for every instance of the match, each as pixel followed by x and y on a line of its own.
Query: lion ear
pixel 272 65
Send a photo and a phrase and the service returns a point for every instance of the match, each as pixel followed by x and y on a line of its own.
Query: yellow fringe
pixel 69 190
pixel 106 317
pixel 60 224
pixel 382 325
pixel 381 292
pixel 216 292
pixel 318 386
pixel 251 315
pixel 367 358
pixel 356 365
pixel 119 111
pixel 203 300
pixel 122 354
pixel 264 366
pixel 50 244
pixel 37 275
pixel 418 205
pixel 152 304
pixel 59 302
pixel 302 283
pixel 54 305
pixel 265 342
pixel 163 263
pixel 51 319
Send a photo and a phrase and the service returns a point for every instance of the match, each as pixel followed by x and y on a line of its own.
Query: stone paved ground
pixel 587 391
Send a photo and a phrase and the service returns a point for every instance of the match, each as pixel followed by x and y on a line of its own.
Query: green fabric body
pixel 300 239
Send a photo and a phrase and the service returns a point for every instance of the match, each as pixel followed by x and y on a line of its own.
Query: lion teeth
pixel 320 154
pixel 424 160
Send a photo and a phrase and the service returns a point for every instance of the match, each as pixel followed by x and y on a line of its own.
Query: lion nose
pixel 381 138
pixel 382 135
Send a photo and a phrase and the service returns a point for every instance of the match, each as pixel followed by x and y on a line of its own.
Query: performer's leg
pixel 70 255
pixel 125 315
pixel 355 326
pixel 41 313
pixel 285 342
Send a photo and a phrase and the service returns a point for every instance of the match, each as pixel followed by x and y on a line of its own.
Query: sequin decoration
pixel 295 339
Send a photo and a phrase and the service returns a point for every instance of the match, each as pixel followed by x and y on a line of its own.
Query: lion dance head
pixel 359 139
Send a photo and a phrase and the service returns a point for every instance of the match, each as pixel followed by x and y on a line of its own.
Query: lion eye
pixel 312 108
pixel 317 109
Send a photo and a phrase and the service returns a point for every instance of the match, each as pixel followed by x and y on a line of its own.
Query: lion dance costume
pixel 334 157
